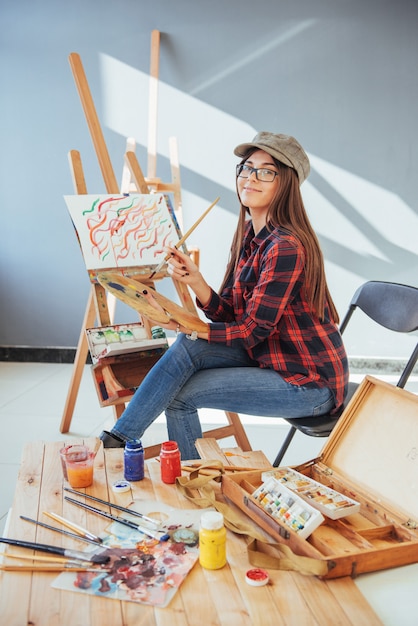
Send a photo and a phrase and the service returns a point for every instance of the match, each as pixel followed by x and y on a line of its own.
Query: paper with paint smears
pixel 141 570
pixel 117 231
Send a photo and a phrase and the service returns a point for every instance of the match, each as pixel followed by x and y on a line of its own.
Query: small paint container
pixel 185 535
pixel 158 333
pixel 121 486
pixel 212 540
pixel 170 461
pixel 133 460
pixel 79 461
pixel 78 453
pixel 257 577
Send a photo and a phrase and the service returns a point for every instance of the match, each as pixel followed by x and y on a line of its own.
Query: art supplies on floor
pixel 329 501
pixel 287 508
pixel 141 569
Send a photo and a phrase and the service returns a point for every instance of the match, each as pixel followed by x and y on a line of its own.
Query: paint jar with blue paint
pixel 133 460
pixel 158 333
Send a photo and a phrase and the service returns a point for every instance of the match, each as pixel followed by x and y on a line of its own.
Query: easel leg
pixel 79 363
pixel 97 298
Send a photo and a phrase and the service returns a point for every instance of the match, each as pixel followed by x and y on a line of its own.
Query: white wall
pixel 341 78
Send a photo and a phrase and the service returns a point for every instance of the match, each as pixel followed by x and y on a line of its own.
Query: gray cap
pixel 284 148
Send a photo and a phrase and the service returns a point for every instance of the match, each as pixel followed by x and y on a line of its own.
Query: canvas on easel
pixel 122 231
pixel 97 305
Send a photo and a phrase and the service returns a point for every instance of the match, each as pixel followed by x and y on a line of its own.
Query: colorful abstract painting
pixel 120 231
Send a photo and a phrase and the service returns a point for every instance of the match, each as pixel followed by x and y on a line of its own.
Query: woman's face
pixel 257 194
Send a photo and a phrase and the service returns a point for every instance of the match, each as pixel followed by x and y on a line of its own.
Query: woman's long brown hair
pixel 288 212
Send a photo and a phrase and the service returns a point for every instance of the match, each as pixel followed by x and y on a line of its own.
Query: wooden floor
pixel 32 397
pixel 218 598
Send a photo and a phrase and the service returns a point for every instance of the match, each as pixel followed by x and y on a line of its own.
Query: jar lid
pixel 212 520
pixel 133 444
pixel 121 486
pixel 169 446
pixel 257 577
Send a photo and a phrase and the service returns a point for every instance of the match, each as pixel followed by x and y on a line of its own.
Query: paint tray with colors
pixel 330 502
pixel 286 508
pixel 107 341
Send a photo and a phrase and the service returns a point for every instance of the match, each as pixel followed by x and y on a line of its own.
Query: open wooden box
pixel 117 377
pixel 371 457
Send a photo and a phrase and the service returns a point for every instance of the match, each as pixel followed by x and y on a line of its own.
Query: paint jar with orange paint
pixel 79 462
pixel 79 452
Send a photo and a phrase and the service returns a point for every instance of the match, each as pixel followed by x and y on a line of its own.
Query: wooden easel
pixel 97 305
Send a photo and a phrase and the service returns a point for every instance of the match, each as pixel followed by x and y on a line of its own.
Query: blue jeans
pixel 196 374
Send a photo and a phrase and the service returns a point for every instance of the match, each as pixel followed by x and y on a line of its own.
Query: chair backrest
pixel 392 305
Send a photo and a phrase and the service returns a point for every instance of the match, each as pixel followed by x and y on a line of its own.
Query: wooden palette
pixel 130 292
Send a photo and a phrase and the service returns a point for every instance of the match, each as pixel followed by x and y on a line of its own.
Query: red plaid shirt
pixel 264 309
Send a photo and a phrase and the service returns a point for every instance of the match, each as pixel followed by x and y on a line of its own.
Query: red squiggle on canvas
pixel 127 227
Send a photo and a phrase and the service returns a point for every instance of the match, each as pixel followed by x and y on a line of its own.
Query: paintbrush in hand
pixel 183 239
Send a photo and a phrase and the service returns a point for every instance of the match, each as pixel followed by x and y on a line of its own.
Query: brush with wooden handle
pixel 183 239
pixel 78 537
pixel 99 559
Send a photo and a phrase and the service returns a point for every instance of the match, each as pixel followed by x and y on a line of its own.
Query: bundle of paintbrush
pixel 160 535
pixel 76 560
pixel 80 533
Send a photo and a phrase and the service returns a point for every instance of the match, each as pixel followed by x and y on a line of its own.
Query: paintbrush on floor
pixel 77 537
pixel 42 559
pixel 46 564
pixel 79 530
pixel 121 520
pixel 99 559
pixel 124 509
pixel 46 568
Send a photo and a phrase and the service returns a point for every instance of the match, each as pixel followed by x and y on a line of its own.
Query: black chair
pixel 391 305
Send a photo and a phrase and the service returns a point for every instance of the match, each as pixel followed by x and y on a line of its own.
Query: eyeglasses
pixel 261 173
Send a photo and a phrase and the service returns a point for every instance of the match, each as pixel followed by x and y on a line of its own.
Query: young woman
pixel 272 347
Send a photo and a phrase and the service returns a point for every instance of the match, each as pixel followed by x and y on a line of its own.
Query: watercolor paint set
pixel 122 355
pixel 331 503
pixel 117 339
pixel 287 507
pixel 368 467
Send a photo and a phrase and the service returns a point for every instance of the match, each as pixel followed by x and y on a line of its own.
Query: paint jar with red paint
pixel 170 461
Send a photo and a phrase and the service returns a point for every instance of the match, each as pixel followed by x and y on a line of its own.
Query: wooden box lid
pixel 374 445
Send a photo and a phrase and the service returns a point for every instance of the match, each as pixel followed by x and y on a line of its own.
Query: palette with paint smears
pixel 130 292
